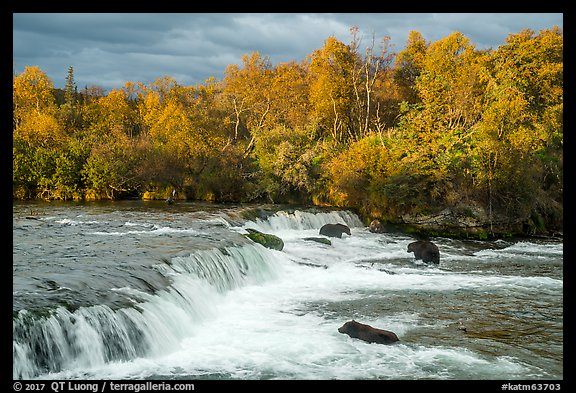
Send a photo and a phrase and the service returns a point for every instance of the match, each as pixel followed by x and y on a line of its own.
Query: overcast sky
pixel 110 49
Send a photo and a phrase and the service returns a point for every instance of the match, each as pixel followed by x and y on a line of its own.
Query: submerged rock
pixel 322 240
pixel 266 239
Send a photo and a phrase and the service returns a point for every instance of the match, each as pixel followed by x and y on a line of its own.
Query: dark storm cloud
pixel 110 49
pixel 485 30
pixel 102 28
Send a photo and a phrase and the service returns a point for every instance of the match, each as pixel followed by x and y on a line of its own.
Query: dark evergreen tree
pixel 70 89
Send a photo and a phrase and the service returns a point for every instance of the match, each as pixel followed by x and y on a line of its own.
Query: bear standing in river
pixel 334 230
pixel 368 333
pixel 425 250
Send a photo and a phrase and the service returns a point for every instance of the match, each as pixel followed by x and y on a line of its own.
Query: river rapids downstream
pixel 145 290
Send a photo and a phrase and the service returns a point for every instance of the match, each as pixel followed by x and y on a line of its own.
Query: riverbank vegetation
pixel 438 125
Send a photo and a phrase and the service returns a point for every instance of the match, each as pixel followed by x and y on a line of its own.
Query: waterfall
pixel 301 220
pixel 60 339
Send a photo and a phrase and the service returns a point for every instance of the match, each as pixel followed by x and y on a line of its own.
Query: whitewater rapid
pixel 207 303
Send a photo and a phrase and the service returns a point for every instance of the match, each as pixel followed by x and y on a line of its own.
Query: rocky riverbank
pixel 471 222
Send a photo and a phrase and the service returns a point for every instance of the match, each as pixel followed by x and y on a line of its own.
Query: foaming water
pixel 156 324
pixel 301 220
pixel 199 301
pixel 275 331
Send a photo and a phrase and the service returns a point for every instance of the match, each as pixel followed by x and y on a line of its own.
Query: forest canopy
pixel 437 125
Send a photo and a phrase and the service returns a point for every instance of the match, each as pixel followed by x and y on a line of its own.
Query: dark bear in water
pixel 368 333
pixel 425 250
pixel 334 230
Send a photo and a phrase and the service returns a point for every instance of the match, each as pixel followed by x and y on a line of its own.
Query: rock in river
pixel 266 239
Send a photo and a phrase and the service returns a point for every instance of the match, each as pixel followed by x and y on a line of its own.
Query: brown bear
pixel 368 333
pixel 425 250
pixel 376 227
pixel 334 230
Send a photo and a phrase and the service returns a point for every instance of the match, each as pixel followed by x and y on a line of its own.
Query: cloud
pixel 110 49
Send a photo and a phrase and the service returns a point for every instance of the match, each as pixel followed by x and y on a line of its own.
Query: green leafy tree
pixel 289 164
pixel 110 168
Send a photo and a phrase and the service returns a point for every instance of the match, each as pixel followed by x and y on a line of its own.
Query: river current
pixel 145 290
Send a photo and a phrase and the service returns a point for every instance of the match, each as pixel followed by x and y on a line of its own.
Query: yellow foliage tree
pixel 331 88
pixel 34 109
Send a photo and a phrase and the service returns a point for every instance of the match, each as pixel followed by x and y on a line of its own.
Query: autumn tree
pixel 248 89
pixel 332 89
pixel 187 131
pixel 36 132
pixel 34 109
pixel 440 125
pixel 110 165
pixel 449 84
pixel 290 90
pixel 367 70
pixel 437 133
pixel 46 161
pixel 111 115
pixel 355 176
pixel 408 66
pixel 519 145
pixel 163 106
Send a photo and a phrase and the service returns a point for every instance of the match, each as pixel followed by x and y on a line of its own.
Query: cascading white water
pixel 95 335
pixel 229 268
pixel 222 307
pixel 301 220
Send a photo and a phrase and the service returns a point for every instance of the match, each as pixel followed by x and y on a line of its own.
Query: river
pixel 146 290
